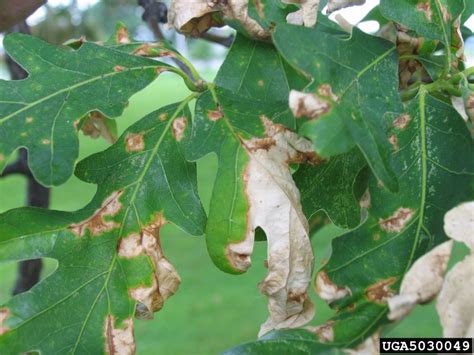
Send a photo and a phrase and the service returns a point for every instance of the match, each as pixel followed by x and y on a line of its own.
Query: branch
pixel 14 11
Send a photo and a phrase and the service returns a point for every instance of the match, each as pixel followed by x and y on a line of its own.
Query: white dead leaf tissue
pixel 275 207
pixel 425 280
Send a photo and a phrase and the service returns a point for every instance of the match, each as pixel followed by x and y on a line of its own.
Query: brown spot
pixel 260 83
pixel 163 116
pixel 239 261
pixel 325 332
pixel 97 224
pixel 376 237
pixel 76 124
pixel 298 297
pixel 134 142
pixel 215 115
pixel 122 36
pixel 397 221
pixel 265 264
pixel 131 246
pixel 119 68
pixel 119 341
pixel 149 299
pixel 394 141
pixel 380 292
pixel 308 105
pixel 29 119
pixel 179 126
pixel 326 91
pixel 425 6
pixel 148 49
pixel 311 158
pixel 262 143
pixel 328 290
pixel 4 314
pixel 402 121
pixel 45 141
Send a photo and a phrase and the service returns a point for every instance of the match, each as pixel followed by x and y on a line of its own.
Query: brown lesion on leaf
pixel 99 222
pixel 401 122
pixel 325 90
pixel 425 7
pixel 45 141
pixel 122 36
pixel 119 68
pixel 163 116
pixel 4 314
pixel 215 115
pixel 134 142
pixel 397 222
pixel 165 279
pixel 325 332
pixel 308 105
pixel 119 340
pixel 376 237
pixel 179 127
pixel 394 141
pixel 380 292
pixel 260 83
pixel 29 119
pixel 238 260
pixel 328 290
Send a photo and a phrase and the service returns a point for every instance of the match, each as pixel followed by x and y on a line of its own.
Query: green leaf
pixel 428 18
pixel 143 181
pixel 362 72
pixel 39 113
pixel 330 187
pixel 253 82
pixel 431 146
pixel 285 342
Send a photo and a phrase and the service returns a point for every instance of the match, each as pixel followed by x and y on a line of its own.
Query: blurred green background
pixel 211 311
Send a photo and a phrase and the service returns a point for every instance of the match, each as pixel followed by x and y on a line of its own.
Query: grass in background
pixel 212 311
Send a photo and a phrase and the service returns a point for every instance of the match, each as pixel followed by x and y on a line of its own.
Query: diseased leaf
pixel 330 187
pixel 455 304
pixel 430 148
pixel 422 282
pixel 432 19
pixel 307 15
pixel 39 113
pixel 110 263
pixel 197 16
pixel 357 77
pixel 240 120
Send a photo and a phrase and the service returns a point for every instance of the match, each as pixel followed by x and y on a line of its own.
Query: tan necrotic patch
pixel 397 222
pixel 402 121
pixel 165 281
pixel 425 7
pixel 179 127
pixel 275 207
pixel 119 340
pixel 380 292
pixel 100 222
pixel 328 290
pixel 134 142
